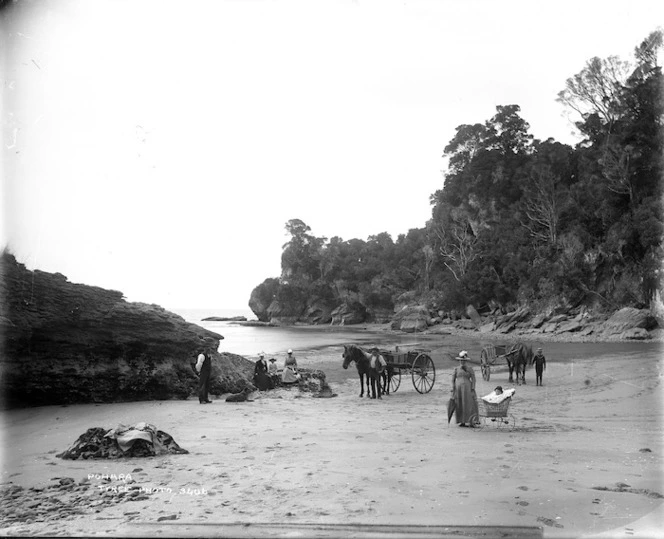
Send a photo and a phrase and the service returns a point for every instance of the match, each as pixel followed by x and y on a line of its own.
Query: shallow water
pixel 321 348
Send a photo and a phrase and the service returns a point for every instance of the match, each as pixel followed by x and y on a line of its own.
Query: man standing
pixel 540 364
pixel 378 364
pixel 203 368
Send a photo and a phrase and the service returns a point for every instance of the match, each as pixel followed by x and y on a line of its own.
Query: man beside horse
pixel 378 365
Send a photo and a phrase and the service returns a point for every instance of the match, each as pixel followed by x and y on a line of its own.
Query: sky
pixel 158 148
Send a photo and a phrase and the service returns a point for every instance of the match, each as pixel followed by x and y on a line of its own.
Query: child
pixel 540 364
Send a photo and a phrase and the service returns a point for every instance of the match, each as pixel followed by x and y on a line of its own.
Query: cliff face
pixel 72 343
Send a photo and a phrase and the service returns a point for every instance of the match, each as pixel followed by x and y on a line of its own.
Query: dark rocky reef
pixel 72 343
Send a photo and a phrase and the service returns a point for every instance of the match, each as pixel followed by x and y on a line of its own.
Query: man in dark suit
pixel 204 369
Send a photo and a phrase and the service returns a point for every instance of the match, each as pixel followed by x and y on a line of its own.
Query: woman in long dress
pixel 290 375
pixel 261 379
pixel 463 389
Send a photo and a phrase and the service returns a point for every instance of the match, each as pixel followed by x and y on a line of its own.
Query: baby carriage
pixel 496 413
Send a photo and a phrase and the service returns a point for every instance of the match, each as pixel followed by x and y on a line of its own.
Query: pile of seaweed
pixel 140 441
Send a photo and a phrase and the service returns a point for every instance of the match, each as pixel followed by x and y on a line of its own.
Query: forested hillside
pixel 518 221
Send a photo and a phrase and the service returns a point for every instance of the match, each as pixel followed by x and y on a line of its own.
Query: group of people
pixel 463 389
pixel 267 376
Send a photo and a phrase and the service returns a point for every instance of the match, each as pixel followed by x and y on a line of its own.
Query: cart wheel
pixel 423 373
pixel 486 372
pixel 484 364
pixel 395 381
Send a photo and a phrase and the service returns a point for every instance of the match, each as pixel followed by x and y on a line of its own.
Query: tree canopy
pixel 519 220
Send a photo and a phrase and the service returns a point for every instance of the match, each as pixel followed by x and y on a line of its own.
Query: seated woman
pixel 290 375
pixel 498 395
pixel 273 371
pixel 261 378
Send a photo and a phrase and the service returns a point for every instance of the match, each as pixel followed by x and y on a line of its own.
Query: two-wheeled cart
pixel 493 355
pixel 417 362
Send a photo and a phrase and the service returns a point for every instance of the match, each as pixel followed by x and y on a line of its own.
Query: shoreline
pixel 656 336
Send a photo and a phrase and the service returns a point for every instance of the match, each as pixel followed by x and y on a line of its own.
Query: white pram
pixel 494 408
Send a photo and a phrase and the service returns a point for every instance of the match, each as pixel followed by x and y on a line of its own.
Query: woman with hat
pixel 289 375
pixel 463 391
pixel 261 379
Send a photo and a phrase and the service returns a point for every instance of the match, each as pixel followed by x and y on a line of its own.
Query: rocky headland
pixel 412 314
pixel 71 343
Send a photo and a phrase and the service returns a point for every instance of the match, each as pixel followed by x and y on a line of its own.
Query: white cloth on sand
pixel 127 435
pixel 493 398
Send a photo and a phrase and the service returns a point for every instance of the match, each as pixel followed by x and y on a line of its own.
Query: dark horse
pixel 518 357
pixel 362 362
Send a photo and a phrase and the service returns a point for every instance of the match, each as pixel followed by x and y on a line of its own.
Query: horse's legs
pixel 511 368
pixel 361 385
pixel 365 376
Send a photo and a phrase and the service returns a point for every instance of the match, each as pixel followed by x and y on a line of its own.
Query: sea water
pixel 273 340
pixel 328 340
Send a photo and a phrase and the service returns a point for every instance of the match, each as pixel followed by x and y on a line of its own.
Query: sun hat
pixel 261 354
pixel 463 355
pixel 539 350
pixel 374 349
pixel 272 359
pixel 290 351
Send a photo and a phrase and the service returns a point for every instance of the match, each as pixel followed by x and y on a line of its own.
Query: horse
pixel 362 362
pixel 517 358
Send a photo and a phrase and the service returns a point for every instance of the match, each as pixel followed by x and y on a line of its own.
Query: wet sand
pixel 580 457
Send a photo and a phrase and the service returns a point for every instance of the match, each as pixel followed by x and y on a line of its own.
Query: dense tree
pixel 519 220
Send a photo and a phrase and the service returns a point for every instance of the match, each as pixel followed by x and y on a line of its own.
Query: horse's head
pixel 347 355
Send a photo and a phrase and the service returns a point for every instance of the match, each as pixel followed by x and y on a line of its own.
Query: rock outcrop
pixel 261 297
pixel 318 312
pixel 624 321
pixel 74 343
pixel 412 319
pixel 349 313
pixel 283 313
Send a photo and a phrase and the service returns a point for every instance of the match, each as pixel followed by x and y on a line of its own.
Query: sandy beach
pixel 581 457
